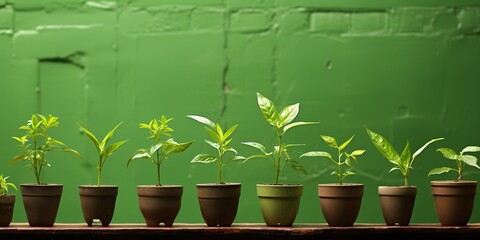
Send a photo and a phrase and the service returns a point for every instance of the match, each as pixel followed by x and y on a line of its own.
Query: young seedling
pixel 4 185
pixel 460 159
pixel 104 151
pixel 332 142
pixel 37 142
pixel 159 150
pixel 403 163
pixel 282 121
pixel 221 144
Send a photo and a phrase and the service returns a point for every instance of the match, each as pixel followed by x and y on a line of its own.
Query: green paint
pixel 408 69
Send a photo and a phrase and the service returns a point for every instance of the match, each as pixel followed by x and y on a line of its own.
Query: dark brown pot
pixel 397 204
pixel 6 209
pixel 41 203
pixel 160 203
pixel 453 201
pixel 218 203
pixel 340 203
pixel 279 203
pixel 98 202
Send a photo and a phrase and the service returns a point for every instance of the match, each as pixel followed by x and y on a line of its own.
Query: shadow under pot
pixel 98 202
pixel 41 203
pixel 279 203
pixel 340 203
pixel 454 201
pixel 7 203
pixel 159 204
pixel 219 203
pixel 397 204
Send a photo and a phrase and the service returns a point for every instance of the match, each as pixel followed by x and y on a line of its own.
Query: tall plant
pixel 460 160
pixel 37 142
pixel 281 121
pixel 159 150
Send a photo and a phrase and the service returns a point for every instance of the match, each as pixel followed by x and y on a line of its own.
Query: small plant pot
pixel 7 203
pixel 159 204
pixel 397 204
pixel 340 203
pixel 279 203
pixel 41 203
pixel 219 203
pixel 98 202
pixel 453 201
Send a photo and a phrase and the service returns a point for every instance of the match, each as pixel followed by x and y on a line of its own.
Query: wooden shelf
pixel 240 231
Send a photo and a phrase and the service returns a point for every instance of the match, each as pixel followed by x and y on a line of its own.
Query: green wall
pixel 408 69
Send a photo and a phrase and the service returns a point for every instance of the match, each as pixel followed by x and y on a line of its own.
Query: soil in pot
pixel 219 203
pixel 340 203
pixel 7 203
pixel 160 204
pixel 98 202
pixel 279 203
pixel 454 201
pixel 41 203
pixel 397 204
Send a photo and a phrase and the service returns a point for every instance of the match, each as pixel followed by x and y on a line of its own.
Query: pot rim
pixel 96 186
pixel 345 185
pixel 7 195
pixel 396 186
pixel 217 185
pixel 452 183
pixel 40 185
pixel 159 186
pixel 286 185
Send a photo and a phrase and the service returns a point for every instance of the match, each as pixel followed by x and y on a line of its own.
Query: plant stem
pixel 279 158
pixel 158 168
pixel 99 169
pixel 339 164
pixel 405 177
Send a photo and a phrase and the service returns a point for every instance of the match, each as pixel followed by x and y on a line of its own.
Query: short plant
pixel 460 159
pixel 159 150
pixel 403 163
pixel 221 144
pixel 332 142
pixel 37 142
pixel 4 185
pixel 282 122
pixel 103 150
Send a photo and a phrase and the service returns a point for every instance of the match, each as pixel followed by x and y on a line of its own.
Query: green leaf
pixel 230 131
pixel 114 147
pixel 347 161
pixel 236 158
pixel 203 120
pixel 296 124
pixel 268 109
pixel 334 173
pixel 140 155
pixel 420 150
pixel 107 137
pixel 230 149
pixel 204 158
pixel 448 153
pixel 440 170
pixel 256 156
pixel 255 145
pixel 17 158
pixel 348 173
pixel 12 186
pixel 470 160
pixel 214 145
pixel 154 148
pixel 341 147
pixel 406 156
pixel 294 145
pixel 213 134
pixel 357 152
pixel 220 133
pixel 71 151
pixel 330 141
pixel 317 154
pixel 394 169
pixel 296 166
pixel 180 147
pixel 92 138
pixel 288 113
pixel 471 149
pixel 383 146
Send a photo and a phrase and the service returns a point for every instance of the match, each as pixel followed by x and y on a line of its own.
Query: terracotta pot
pixel 98 202
pixel 7 203
pixel 340 203
pixel 453 201
pixel 397 204
pixel 41 203
pixel 219 203
pixel 159 203
pixel 279 203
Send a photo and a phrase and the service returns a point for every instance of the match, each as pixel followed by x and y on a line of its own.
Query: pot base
pixel 41 203
pixel 397 204
pixel 160 204
pixel 340 203
pixel 98 202
pixel 279 203
pixel 454 201
pixel 218 203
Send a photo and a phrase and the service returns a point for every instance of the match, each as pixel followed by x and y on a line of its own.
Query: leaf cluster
pixel 460 160
pixel 4 185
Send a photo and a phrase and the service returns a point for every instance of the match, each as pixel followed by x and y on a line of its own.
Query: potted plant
pixel 279 203
pixel 454 199
pixel 40 200
pixel 98 201
pixel 340 202
pixel 159 203
pixel 218 201
pixel 7 201
pixel 397 201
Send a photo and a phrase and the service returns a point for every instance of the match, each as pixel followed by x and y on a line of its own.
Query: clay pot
pixel 218 203
pixel 7 202
pixel 279 203
pixel 41 203
pixel 340 203
pixel 397 204
pixel 453 201
pixel 98 202
pixel 160 203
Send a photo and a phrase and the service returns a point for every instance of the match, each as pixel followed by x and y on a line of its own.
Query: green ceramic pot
pixel 279 203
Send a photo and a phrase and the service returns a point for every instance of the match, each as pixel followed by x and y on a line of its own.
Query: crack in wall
pixel 226 67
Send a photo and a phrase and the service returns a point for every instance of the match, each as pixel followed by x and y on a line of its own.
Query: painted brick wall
pixel 408 69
